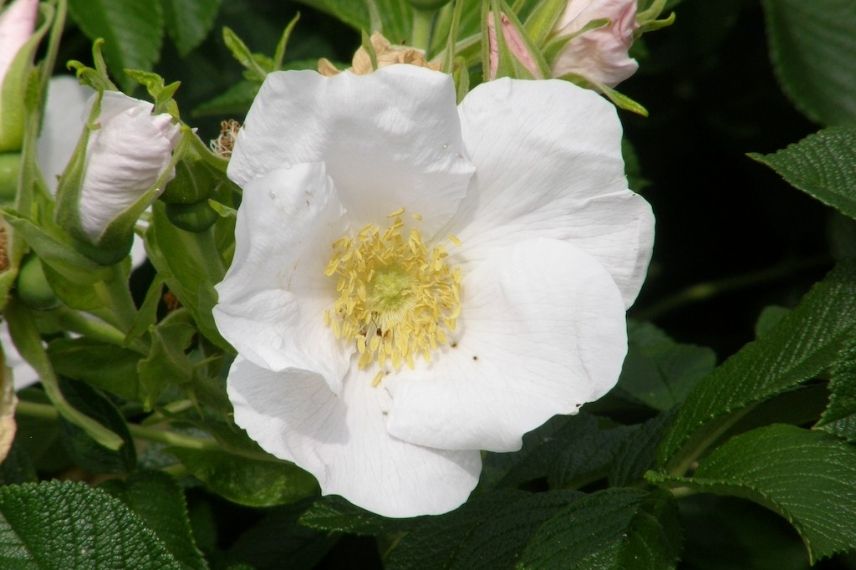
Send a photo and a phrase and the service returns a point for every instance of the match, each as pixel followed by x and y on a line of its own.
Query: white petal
pixel 23 374
pixel 344 443
pixel 17 22
pixel 125 157
pixel 390 139
pixel 65 114
pixel 543 331
pixel 548 160
pixel 273 296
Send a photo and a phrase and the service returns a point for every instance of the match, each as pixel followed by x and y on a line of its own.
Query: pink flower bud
pixel 17 23
pixel 599 55
pixel 513 41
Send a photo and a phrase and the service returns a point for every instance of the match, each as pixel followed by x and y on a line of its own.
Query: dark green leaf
pixel 157 499
pixel 638 452
pixel 658 371
pixel 85 451
pixel 333 513
pixel 813 47
pixel 805 476
pixel 569 451
pixel 839 418
pixel 251 482
pixel 17 467
pixel 61 525
pixel 805 342
pixel 105 366
pixel 278 537
pixel 822 165
pixel 132 32
pixel 189 21
pixel 724 533
pixel 615 529
pixel 395 15
pixel 769 318
pixel 488 532
pixel 235 101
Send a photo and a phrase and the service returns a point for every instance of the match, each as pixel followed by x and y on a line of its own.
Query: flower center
pixel 398 298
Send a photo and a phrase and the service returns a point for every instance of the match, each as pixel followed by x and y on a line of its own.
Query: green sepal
pixel 654 25
pixel 461 76
pixel 161 93
pixel 555 45
pixel 618 99
pixel 13 87
pixel 56 250
pixel 530 45
pixel 96 77
pixel 541 21
pixel 282 44
pixel 257 66
pixel 10 169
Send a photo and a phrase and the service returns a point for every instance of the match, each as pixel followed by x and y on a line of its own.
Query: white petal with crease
pixel 542 333
pixel 548 160
pixel 390 139
pixel 344 443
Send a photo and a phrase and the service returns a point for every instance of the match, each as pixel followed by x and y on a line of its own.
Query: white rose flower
pixel 414 282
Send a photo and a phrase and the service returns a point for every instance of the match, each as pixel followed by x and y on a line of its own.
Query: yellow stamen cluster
pixel 398 298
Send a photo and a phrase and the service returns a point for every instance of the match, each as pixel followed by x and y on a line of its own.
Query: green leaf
pixel 805 476
pixel 613 529
pixel 804 343
pixel 167 362
pixel 250 482
pixel 189 21
pixel 768 319
pixel 725 533
pixel 822 165
pixel 61 525
pixel 84 450
pixel 334 513
pixel 278 537
pixel 813 47
pixel 132 32
pixel 489 532
pixel 105 366
pixel 234 101
pixel 839 418
pixel 157 499
pixel 190 264
pixel 658 371
pixel 396 16
pixel 638 452
pixel 570 451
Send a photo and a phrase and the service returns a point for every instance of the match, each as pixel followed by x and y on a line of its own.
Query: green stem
pixel 709 289
pixel 149 433
pixel 420 35
pixel 27 339
pixel 116 294
pixel 92 328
